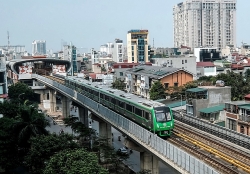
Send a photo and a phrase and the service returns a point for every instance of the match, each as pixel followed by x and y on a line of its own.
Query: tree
pixel 103 69
pixel 43 147
pixel 118 84
pixel 8 145
pixel 157 91
pixel 107 155
pixel 74 162
pixel 20 92
pixel 29 123
pixel 9 109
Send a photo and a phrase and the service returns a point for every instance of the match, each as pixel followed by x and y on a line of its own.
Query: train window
pixel 106 97
pixel 129 108
pixel 101 96
pixel 138 112
pixel 147 115
pixel 121 104
pixel 113 101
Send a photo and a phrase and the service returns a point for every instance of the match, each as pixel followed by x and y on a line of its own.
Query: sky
pixel 90 23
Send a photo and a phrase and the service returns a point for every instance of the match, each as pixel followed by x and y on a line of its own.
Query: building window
pixel 185 61
pixel 176 84
pixel 121 73
pixel 132 47
pixel 133 59
pixel 231 124
pixel 242 129
pixel 182 61
pixel 166 85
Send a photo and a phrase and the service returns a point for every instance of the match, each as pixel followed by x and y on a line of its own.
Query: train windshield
pixel 162 116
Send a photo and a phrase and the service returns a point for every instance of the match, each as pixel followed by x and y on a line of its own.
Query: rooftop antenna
pixel 8 36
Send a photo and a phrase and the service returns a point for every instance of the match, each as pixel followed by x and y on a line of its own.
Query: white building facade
pixel 118 51
pixel 38 47
pixel 205 23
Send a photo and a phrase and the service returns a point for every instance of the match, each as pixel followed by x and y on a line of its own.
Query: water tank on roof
pixel 220 83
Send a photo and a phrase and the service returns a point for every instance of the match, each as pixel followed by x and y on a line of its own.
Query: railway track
pixel 217 153
pixel 223 157
pixel 57 79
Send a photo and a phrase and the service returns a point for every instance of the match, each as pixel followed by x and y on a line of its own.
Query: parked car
pixel 122 151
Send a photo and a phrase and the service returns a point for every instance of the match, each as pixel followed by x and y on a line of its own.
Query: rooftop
pixel 213 109
pixel 204 64
pixel 156 72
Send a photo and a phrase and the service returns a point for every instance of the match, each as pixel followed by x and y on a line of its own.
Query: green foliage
pixel 21 92
pixel 29 123
pixel 9 151
pixel 43 147
pixel 157 91
pixel 73 162
pixel 9 109
pixel 118 84
pixel 103 69
pixel 108 155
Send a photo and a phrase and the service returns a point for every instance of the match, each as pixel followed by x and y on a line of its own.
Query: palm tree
pixel 29 123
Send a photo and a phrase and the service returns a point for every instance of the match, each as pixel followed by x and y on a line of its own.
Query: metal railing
pixel 174 156
pixel 222 132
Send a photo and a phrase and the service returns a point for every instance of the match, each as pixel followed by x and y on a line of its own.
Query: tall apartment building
pixel 138 46
pixel 38 47
pixel 118 51
pixel 206 23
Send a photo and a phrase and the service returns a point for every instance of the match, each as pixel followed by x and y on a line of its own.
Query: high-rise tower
pixel 38 47
pixel 138 46
pixel 207 23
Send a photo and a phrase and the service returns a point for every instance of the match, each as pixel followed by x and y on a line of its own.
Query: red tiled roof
pixel 204 64
pixel 247 96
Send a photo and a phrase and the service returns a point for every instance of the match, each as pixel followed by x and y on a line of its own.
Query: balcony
pixel 244 118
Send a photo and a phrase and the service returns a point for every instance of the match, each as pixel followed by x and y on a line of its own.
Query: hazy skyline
pixel 91 23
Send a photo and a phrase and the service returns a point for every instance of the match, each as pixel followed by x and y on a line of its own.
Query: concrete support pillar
pixel 105 131
pixel 52 98
pixel 149 162
pixel 65 106
pixel 83 115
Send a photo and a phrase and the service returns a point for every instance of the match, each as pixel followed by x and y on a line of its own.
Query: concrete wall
pixel 216 96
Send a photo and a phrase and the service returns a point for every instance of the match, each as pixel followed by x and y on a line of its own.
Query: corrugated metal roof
pixel 213 109
pixel 196 90
pixel 246 106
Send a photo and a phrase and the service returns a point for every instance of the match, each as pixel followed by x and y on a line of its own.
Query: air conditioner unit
pixel 211 119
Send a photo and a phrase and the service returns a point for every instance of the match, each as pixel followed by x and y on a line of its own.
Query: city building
pixel 205 23
pixel 206 102
pixel 138 46
pixel 238 115
pixel 182 61
pixel 107 48
pixel 38 47
pixel 139 79
pixel 206 54
pixel 118 69
pixel 118 51
pixel 3 79
pixel 205 69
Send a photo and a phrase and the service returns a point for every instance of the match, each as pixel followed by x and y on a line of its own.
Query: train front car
pixel 163 122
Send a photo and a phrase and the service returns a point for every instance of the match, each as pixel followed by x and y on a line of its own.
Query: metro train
pixel 152 115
